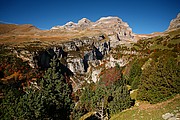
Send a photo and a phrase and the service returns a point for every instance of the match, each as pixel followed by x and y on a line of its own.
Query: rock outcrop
pixel 80 57
pixel 113 27
pixel 87 50
pixel 175 23
pixel 171 116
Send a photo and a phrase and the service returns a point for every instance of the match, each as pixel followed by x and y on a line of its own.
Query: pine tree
pixel 51 101
pixel 8 105
pixel 121 97
pixel 160 80
pixel 134 76
pixel 57 93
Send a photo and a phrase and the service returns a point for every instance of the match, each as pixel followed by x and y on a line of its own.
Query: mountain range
pixel 113 27
pixel 95 68
pixel 87 45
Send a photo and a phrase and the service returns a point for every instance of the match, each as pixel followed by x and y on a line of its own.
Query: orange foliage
pixel 109 76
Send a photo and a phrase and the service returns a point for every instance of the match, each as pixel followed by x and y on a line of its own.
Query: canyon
pixel 84 49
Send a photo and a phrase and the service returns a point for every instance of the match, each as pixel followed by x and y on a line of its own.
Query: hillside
pixel 113 27
pixel 12 29
pixel 146 111
pixel 88 70
pixel 147 82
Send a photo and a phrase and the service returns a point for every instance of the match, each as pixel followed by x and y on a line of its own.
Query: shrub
pixel 160 80
pixel 51 99
pixel 134 75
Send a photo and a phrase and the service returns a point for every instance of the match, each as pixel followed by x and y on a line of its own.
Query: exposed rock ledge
pixel 81 57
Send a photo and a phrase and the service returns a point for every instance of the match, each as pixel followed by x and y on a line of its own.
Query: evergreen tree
pixel 134 76
pixel 104 99
pixel 57 93
pixel 9 102
pixel 52 99
pixel 160 80
pixel 86 101
pixel 85 104
pixel 121 97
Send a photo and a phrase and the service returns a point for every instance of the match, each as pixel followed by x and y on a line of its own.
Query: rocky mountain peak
pixel 178 16
pixel 113 27
pixel 84 21
pixel 70 24
pixel 175 23
pixel 110 18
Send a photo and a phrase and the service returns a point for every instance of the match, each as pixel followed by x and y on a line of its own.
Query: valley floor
pixel 146 111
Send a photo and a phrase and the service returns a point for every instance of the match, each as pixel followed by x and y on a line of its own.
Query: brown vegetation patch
pixel 149 107
pixel 110 76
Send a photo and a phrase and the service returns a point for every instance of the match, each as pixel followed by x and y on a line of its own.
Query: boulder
pixel 167 116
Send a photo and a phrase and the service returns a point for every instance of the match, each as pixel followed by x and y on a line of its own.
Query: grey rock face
pixel 78 43
pixel 76 65
pixel 26 56
pixel 172 118
pixel 84 23
pixel 175 23
pixel 70 46
pixel 113 27
pixel 83 52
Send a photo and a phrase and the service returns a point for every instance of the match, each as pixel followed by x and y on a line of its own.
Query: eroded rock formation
pixel 175 23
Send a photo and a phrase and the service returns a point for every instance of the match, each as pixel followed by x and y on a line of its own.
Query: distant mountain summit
pixel 18 29
pixel 113 27
pixel 175 23
pixel 84 23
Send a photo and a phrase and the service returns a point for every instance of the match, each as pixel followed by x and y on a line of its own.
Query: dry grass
pixel 19 34
pixel 146 111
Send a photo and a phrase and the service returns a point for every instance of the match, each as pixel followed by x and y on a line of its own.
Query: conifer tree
pixel 57 93
pixel 160 80
pixel 121 97
pixel 134 76
pixel 51 101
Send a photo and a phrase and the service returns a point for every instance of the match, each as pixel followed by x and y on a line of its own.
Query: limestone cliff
pixel 114 28
pixel 84 49
pixel 175 23
pixel 85 57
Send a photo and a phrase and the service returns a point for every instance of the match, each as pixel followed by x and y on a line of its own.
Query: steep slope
pixel 175 23
pixel 13 29
pixel 5 28
pixel 85 48
pixel 113 27
pixel 167 110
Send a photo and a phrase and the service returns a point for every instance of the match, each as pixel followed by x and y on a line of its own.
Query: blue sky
pixel 143 16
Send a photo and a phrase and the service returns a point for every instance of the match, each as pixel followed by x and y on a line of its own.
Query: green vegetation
pixel 160 80
pixel 156 73
pixel 149 112
pixel 134 75
pixel 112 98
pixel 121 98
pixel 155 78
pixel 152 74
pixel 50 99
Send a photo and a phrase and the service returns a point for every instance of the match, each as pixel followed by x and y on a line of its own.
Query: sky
pixel 143 16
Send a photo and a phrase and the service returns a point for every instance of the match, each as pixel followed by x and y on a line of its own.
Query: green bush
pixel 114 97
pixel 121 98
pixel 51 99
pixel 160 80
pixel 134 75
